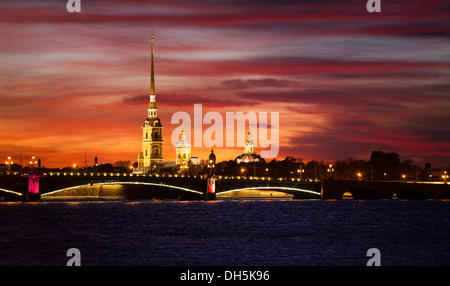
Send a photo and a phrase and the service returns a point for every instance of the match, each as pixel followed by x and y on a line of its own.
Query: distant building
pixel 167 164
pixel 183 151
pixel 195 160
pixel 152 140
pixel 249 154
pixel 212 160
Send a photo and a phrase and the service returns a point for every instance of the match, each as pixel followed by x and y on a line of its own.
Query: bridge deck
pixel 54 182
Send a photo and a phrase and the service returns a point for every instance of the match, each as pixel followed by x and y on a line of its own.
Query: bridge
pixel 337 189
pixel 180 187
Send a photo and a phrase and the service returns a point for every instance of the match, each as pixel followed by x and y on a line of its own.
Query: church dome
pixel 249 158
pixel 212 156
pixel 249 154
pixel 183 143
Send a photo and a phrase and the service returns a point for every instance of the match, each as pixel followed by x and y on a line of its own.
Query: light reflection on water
pixel 225 232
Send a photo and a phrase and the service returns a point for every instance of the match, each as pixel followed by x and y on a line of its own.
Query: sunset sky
pixel 345 82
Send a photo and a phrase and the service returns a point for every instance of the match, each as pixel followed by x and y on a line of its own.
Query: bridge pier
pixel 32 197
pixel 33 194
pixel 210 194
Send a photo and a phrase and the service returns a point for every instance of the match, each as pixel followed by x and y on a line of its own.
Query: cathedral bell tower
pixel 152 140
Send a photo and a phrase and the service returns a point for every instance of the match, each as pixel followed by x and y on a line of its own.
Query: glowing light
pixel 11 192
pixel 272 188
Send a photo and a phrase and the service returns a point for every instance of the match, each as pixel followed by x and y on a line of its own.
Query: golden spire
pixel 152 76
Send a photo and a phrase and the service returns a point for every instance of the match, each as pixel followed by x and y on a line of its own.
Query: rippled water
pixel 229 232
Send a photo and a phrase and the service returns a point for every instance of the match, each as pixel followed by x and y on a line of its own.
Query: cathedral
pixel 183 151
pixel 249 155
pixel 152 140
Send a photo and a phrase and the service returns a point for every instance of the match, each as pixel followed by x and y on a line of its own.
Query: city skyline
pixel 344 81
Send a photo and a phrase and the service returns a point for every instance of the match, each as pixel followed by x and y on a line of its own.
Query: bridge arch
pixel 134 190
pixel 406 194
pixel 8 195
pixel 296 192
pixel 444 195
pixel 362 193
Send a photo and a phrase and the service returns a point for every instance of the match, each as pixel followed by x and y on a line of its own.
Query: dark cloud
pixel 250 83
pixel 179 99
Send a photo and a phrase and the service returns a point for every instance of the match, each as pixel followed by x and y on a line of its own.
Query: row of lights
pixel 359 175
pixel 330 170
pixel 169 175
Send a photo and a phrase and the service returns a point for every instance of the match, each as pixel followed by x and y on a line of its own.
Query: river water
pixel 225 232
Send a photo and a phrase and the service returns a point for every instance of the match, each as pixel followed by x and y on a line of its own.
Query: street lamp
pixel 359 176
pixel 300 173
pixel 404 177
pixel 9 162
pixel 33 162
pixel 330 170
pixel 445 177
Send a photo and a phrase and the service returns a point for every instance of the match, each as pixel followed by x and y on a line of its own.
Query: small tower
pixel 183 151
pixel 249 147
pixel 152 140
pixel 212 160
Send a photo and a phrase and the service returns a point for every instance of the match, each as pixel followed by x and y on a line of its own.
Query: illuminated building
pixel 249 154
pixel 152 140
pixel 183 151
pixel 212 160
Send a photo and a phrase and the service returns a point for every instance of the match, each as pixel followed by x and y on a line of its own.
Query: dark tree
pixel 385 163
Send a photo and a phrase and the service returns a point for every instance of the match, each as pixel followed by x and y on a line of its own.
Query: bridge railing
pixel 220 177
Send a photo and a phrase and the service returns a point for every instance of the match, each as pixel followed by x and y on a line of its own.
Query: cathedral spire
pixel 152 76
pixel 152 108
